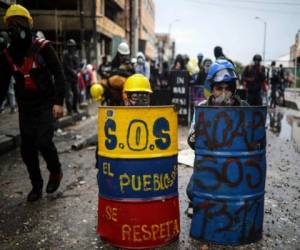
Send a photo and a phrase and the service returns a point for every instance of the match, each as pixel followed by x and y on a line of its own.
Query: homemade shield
pixel 138 176
pixel 229 174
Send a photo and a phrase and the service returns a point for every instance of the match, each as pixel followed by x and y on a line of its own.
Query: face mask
pixel 138 99
pixel 223 100
pixel 20 38
pixel 220 99
pixel 256 62
pixel 18 33
pixel 72 49
pixel 140 60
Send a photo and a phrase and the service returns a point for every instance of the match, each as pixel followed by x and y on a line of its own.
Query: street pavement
pixel 9 128
pixel 67 219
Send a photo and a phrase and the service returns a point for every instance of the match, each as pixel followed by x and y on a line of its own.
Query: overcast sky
pixel 200 25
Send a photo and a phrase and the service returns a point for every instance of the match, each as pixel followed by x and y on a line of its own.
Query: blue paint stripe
pixel 138 178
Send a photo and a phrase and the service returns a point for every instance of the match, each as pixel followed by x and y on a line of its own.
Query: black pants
pixel 273 102
pixel 72 96
pixel 254 98
pixel 87 92
pixel 37 130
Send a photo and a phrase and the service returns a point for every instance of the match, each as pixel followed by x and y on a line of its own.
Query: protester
pixel 202 74
pixel 71 68
pixel 39 88
pixel 85 81
pixel 274 80
pixel 137 91
pixel 221 82
pixel 164 76
pixel 121 69
pixel 200 60
pixel 282 83
pixel 104 68
pixel 218 52
pixel 10 98
pixel 254 81
pixel 122 62
pixel 154 75
pixel 142 66
pixel 179 63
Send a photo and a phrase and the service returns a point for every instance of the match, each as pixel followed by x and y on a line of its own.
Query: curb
pixel 292 98
pixel 11 139
pixel 291 105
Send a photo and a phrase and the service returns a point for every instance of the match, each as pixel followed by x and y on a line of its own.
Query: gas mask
pixel 140 61
pixel 19 33
pixel 138 99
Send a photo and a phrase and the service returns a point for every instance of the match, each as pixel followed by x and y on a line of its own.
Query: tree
pixel 239 67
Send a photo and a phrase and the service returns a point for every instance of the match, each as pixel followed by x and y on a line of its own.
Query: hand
pixel 57 111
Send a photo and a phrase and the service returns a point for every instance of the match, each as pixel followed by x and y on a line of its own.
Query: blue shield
pixel 229 174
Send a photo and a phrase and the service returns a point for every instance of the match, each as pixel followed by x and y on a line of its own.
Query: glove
pixel 192 140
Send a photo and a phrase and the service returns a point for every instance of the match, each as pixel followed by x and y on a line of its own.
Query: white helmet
pixel 123 49
pixel 89 67
pixel 140 54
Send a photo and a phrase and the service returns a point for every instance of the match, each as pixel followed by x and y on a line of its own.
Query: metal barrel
pixel 229 174
pixel 138 224
pixel 138 176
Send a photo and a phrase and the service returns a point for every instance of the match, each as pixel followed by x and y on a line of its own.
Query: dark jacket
pixel 71 67
pixel 46 74
pixel 254 77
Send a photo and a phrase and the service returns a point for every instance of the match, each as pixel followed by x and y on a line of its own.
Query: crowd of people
pixel 262 85
pixel 33 76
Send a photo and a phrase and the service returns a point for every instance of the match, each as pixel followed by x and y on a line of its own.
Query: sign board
pixel 179 81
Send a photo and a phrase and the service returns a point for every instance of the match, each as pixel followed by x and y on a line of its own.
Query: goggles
pixel 221 88
pixel 139 98
pixel 225 75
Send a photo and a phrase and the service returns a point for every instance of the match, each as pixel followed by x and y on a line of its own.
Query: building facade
pixel 165 49
pixel 295 50
pixel 146 42
pixel 295 59
pixel 98 26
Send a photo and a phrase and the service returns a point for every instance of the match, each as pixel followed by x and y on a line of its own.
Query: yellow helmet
pixel 137 83
pixel 17 10
pixel 97 92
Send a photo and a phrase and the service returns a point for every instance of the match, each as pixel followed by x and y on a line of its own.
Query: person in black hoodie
pixel 39 88
pixel 71 68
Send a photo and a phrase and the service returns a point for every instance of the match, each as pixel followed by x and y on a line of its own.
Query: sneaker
pixel 189 211
pixel 13 110
pixel 54 182
pixel 35 194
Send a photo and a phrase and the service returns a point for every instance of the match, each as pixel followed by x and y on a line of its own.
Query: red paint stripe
pixel 138 224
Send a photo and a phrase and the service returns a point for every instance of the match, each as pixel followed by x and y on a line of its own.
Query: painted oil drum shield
pixel 138 224
pixel 229 174
pixel 230 129
pixel 137 132
pixel 227 221
pixel 150 178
